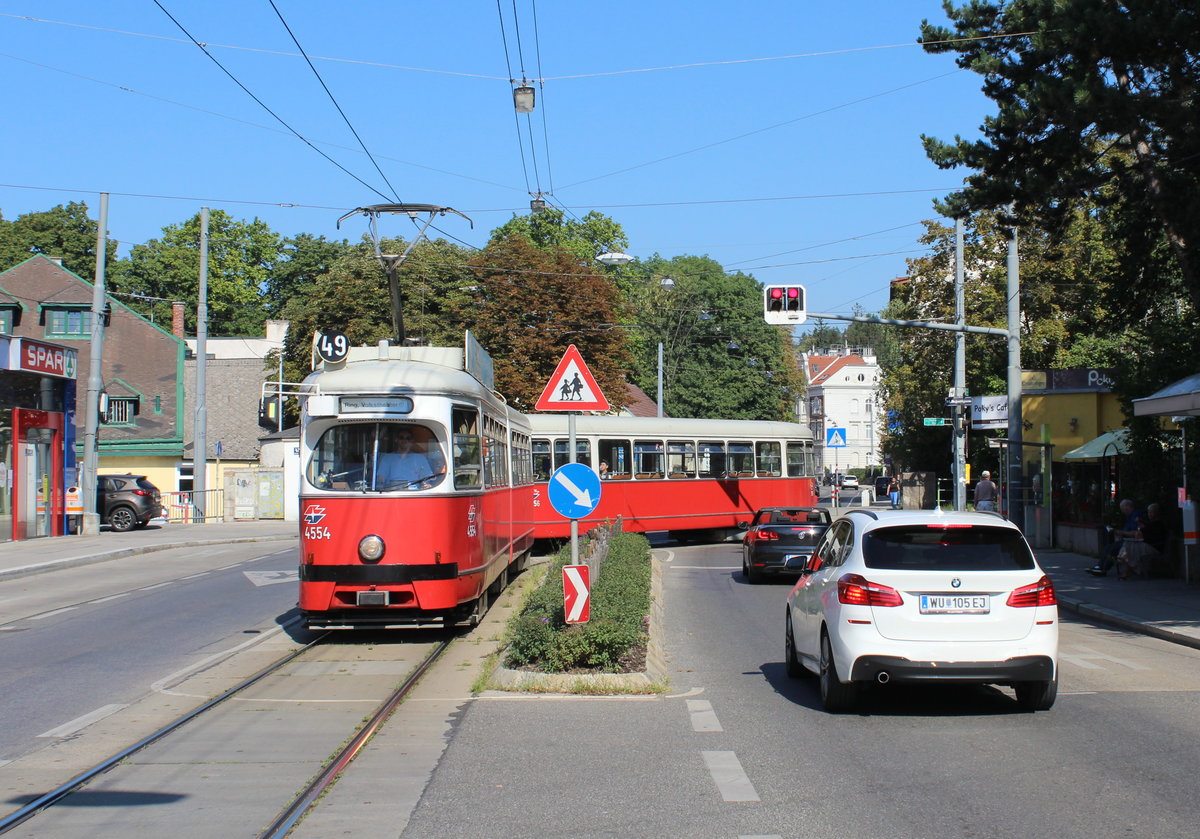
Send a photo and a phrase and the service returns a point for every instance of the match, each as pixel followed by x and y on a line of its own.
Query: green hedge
pixel 620 608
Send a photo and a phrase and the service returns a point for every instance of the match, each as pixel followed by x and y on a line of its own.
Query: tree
pixel 531 303
pixel 585 238
pixel 1098 101
pixel 65 231
pixel 302 260
pixel 240 257
pixel 1062 314
pixel 720 359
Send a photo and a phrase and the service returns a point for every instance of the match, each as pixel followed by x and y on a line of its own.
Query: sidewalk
pixel 35 556
pixel 1167 609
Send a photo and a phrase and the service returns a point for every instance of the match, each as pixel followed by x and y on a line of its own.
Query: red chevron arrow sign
pixel 576 593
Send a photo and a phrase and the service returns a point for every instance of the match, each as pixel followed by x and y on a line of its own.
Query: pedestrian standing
pixel 894 492
pixel 985 493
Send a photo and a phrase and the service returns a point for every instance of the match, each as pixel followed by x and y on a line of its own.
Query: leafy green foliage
pixel 303 259
pixel 65 231
pixel 719 358
pixel 241 256
pixel 619 608
pixel 585 238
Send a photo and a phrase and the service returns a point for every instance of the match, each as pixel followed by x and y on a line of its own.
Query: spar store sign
pixel 44 359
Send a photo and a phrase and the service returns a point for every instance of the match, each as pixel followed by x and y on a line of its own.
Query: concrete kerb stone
pixel 1130 623
pixel 504 678
pixel 120 553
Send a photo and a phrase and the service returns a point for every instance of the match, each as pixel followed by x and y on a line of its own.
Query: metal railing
pixel 181 507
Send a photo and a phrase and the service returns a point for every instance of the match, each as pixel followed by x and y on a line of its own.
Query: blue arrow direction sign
pixel 574 490
pixel 835 438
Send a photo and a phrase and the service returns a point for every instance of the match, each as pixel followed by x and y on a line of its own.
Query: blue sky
pixel 818 104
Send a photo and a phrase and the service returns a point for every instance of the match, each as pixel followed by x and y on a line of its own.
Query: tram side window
pixel 468 465
pixel 769 463
pixel 583 452
pixel 681 459
pixel 495 453
pixel 616 454
pixel 741 460
pixel 542 464
pixel 521 465
pixel 797 462
pixel 712 459
pixel 648 458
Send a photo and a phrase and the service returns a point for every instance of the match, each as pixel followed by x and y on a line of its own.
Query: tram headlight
pixel 371 549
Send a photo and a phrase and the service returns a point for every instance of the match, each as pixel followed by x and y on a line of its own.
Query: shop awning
pixel 1181 399
pixel 1106 445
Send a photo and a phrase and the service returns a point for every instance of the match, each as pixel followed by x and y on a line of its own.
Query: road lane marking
pixel 194 576
pixel 110 597
pixel 727 773
pixel 1082 657
pixel 160 686
pixel 270 578
pixel 45 615
pixel 67 729
pixel 156 585
pixel 670 555
pixel 702 715
pixel 685 694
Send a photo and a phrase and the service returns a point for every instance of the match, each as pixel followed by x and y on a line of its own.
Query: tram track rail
pixel 301 803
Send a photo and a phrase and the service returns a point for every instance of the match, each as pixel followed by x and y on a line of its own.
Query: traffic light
pixel 784 304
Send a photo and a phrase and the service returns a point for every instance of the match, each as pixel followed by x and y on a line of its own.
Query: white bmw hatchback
pixel 924 596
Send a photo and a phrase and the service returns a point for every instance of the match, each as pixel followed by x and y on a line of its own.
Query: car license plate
pixel 955 604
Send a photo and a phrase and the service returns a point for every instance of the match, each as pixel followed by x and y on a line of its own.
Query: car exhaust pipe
pixel 883 677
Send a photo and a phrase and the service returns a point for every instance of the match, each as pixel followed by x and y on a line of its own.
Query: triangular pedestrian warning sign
pixel 572 387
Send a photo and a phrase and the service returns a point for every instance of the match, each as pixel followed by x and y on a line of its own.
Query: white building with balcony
pixel 843 392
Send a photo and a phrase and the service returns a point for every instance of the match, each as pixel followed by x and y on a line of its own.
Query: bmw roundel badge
pixel 956 583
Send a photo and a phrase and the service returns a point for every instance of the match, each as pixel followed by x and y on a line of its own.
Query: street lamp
pixel 615 258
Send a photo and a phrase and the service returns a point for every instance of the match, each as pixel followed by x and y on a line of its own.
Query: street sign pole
pixel 574 521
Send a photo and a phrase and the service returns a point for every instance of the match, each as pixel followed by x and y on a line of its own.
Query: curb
pixel 1121 620
pixel 121 553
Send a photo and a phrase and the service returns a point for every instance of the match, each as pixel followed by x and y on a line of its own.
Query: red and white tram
pixel 416 488
pixel 682 475
pixel 422 490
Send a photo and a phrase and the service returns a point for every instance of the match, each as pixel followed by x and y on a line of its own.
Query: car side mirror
pixel 743 525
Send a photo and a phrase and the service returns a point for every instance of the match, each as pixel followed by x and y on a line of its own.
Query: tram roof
pixel 407 370
pixel 623 426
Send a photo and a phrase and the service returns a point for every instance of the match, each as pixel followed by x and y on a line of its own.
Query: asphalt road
pixel 738 749
pixel 78 644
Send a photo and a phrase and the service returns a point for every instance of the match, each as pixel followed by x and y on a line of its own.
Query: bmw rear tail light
pixel 1040 593
pixel 857 590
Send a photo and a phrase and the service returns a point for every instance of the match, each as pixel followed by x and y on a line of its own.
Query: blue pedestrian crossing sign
pixel 835 438
pixel 574 490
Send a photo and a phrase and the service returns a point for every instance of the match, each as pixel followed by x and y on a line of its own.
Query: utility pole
pixel 200 423
pixel 1016 451
pixel 90 523
pixel 962 416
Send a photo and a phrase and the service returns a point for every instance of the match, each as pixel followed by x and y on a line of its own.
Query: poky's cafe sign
pixel 45 359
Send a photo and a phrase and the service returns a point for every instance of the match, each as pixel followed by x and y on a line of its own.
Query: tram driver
pixel 404 466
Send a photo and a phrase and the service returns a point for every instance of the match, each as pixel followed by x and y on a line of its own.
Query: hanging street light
pixel 523 99
pixel 615 258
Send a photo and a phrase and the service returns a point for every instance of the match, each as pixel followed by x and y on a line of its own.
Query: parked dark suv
pixel 126 501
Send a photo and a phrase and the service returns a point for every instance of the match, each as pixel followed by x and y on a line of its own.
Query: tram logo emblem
pixel 313 514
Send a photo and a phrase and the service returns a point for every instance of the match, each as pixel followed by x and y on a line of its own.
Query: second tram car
pixel 416 496
pixel 681 475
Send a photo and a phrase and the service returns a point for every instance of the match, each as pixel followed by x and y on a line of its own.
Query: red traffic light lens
pixel 793 293
pixel 776 293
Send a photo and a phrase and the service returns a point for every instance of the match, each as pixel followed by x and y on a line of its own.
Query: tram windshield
pixel 377 456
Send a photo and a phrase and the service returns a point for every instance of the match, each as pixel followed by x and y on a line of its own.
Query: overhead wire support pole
pixel 90 523
pixel 391 262
pixel 200 421
pixel 962 416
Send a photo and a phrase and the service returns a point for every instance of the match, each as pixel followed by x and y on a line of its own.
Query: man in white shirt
pixel 402 466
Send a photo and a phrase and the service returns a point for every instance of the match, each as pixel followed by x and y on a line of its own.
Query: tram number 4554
pixel 316 532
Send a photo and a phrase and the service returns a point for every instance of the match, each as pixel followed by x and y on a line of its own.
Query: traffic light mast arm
pixel 916 324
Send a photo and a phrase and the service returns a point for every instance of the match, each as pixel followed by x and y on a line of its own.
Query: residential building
pixel 843 388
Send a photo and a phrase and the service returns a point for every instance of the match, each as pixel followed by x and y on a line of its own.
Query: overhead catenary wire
pixel 487 77
pixel 511 80
pixel 333 99
pixel 264 105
